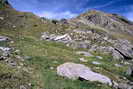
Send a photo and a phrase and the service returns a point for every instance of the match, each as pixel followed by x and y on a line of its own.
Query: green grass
pixel 45 54
pixel 12 78
pixel 52 81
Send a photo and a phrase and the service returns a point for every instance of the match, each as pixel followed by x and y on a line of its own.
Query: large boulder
pixel 79 71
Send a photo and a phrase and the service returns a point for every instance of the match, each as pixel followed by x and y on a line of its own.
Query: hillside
pixel 91 51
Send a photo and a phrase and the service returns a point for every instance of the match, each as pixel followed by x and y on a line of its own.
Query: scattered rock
pixel 30 84
pixel 84 53
pixel 118 65
pixel 51 68
pixel 3 38
pixel 76 45
pixel 14 26
pixel 1 18
pixel 22 87
pixel 28 58
pixel 4 52
pixel 17 52
pixel 125 86
pixel 130 71
pixel 19 57
pixel 127 63
pixel 82 31
pixel 96 63
pixel 115 84
pixel 12 63
pixel 12 42
pixel 83 60
pixel 105 38
pixel 26 70
pixel 76 71
pixel 99 57
pixel 19 67
pixel 5 49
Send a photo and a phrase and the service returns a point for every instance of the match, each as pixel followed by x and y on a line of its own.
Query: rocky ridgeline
pixel 111 22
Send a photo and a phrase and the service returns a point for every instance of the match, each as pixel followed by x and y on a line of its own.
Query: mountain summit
pixel 111 22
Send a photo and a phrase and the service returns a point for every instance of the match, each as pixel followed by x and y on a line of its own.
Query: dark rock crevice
pixel 124 56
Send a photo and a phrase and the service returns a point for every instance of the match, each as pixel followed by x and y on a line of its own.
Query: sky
pixel 58 9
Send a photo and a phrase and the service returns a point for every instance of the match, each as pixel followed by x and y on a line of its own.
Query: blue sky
pixel 57 9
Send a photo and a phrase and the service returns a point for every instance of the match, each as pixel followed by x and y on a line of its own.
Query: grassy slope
pixel 44 55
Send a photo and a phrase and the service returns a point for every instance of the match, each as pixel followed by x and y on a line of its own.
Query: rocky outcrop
pixel 57 38
pixel 108 50
pixel 77 71
pixel 119 49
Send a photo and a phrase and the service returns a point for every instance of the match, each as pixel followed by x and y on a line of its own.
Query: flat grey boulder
pixel 75 71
